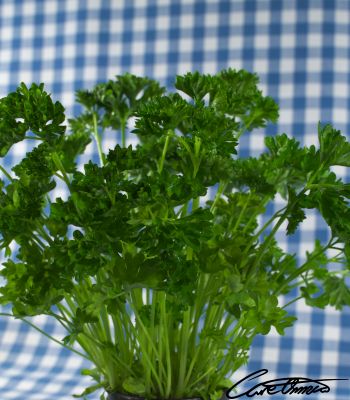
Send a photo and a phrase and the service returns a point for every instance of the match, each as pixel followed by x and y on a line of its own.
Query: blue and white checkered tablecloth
pixel 300 49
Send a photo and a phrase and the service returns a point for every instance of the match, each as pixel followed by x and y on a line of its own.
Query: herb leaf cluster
pixel 135 238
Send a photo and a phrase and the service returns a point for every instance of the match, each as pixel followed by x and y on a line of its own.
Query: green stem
pixel 195 203
pixel 221 188
pixel 237 333
pixel 95 356
pixel 153 333
pixel 339 272
pixel 199 304
pixel 60 176
pixel 165 149
pixel 338 248
pixel 254 216
pixel 183 349
pixel 38 241
pixel 255 238
pixel 183 211
pixel 46 334
pixel 64 311
pixel 61 319
pixel 6 173
pixel 244 128
pixel 123 128
pixel 164 323
pixel 57 161
pixel 104 318
pixel 119 337
pixel 196 158
pixel 321 185
pixel 279 223
pixel 272 233
pixel 34 138
pixel 194 155
pixel 189 250
pixel 44 234
pixel 313 177
pixel 304 267
pixel 144 338
pixel 204 288
pixel 207 372
pixel 263 228
pixel 265 245
pixel 191 366
pixel 240 216
pixel 105 324
pixel 98 140
pixel 292 301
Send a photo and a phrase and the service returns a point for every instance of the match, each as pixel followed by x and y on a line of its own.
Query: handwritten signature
pixel 293 385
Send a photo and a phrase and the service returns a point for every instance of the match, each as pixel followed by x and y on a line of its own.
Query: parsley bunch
pixel 163 291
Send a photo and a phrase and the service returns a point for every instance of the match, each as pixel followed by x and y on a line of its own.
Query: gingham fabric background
pixel 301 51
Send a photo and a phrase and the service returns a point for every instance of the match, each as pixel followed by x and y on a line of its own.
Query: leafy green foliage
pixel 29 110
pixel 165 292
pixel 334 148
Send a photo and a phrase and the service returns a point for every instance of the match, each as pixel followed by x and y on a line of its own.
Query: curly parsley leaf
pixel 29 109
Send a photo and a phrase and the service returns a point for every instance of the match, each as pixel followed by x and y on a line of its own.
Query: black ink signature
pixel 293 385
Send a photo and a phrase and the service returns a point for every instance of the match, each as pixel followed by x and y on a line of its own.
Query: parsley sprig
pixel 163 291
